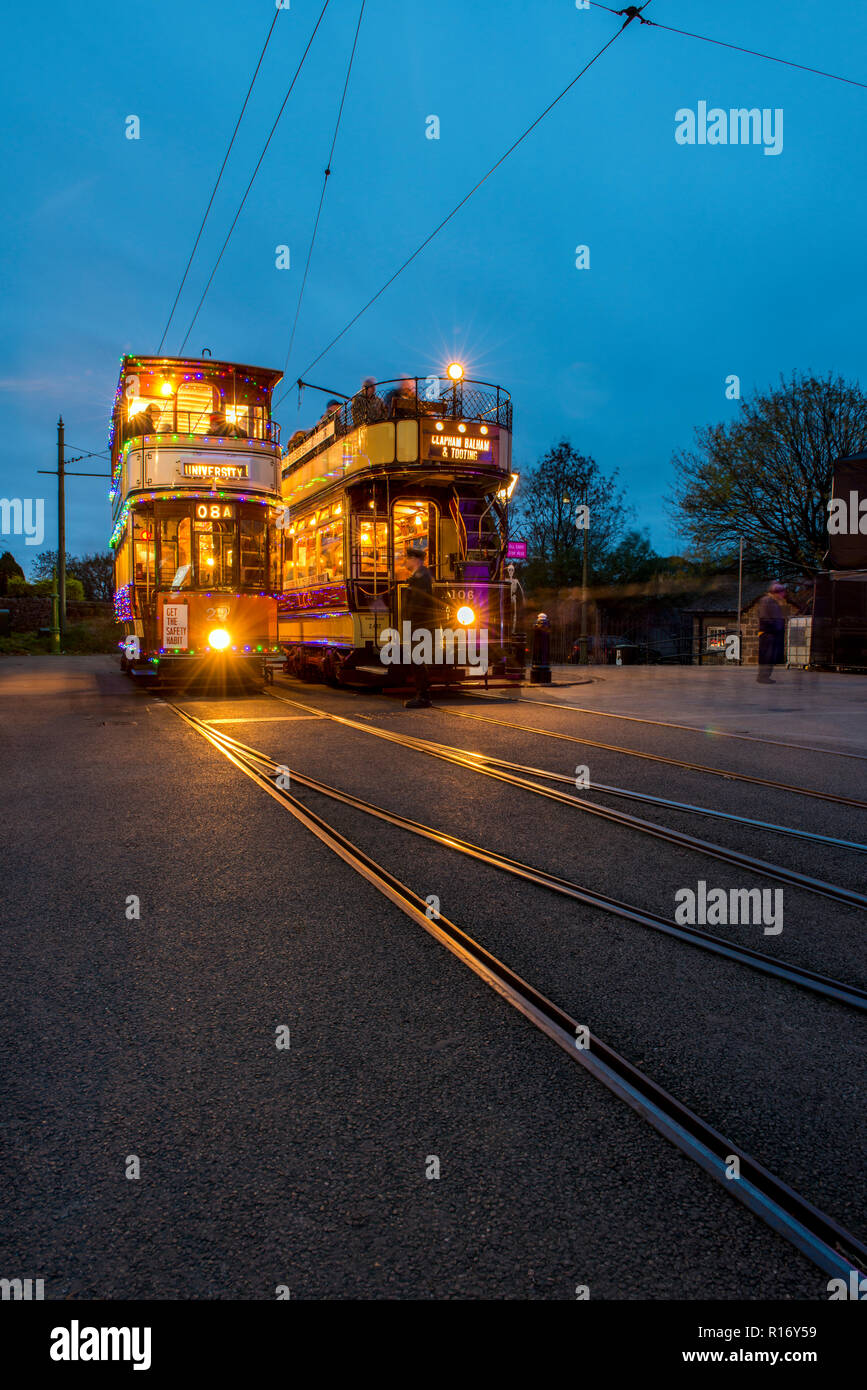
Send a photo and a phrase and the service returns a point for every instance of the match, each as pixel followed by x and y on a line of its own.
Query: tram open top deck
pixel 193 424
pixel 433 428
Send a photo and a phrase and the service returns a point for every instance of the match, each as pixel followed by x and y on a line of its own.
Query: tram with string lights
pixel 195 491
pixel 420 464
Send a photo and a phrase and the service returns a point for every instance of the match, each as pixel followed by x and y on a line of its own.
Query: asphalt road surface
pixel 165 923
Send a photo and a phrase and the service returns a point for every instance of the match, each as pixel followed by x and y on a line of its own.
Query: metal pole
pixel 740 592
pixel 55 625
pixel 583 639
pixel 61 529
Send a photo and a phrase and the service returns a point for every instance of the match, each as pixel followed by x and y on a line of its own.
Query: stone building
pixel 715 617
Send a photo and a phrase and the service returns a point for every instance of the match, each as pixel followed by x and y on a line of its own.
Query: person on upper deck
pixel 145 421
pixel 367 408
pixel 218 424
pixel 403 399
pixel 333 408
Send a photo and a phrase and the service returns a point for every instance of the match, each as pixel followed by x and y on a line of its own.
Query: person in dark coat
pixel 367 408
pixel 419 611
pixel 403 400
pixel 772 626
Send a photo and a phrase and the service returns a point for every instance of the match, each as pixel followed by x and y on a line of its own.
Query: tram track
pixel 851 995
pixel 667 724
pixel 503 771
pixel 824 1241
pixel 730 775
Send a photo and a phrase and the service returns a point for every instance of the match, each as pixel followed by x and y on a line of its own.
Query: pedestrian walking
pixel 772 625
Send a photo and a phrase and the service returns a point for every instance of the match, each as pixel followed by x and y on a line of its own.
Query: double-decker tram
pixel 419 464
pixel 195 493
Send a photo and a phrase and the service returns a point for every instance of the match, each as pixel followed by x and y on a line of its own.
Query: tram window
pixel 414 523
pixel 239 416
pixel 274 556
pixel 195 402
pixel 369 547
pixel 175 552
pixel 305 558
pixel 252 552
pixel 330 546
pixel 288 562
pixel 215 555
pixel 144 571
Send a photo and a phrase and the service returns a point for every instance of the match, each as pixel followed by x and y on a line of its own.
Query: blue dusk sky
pixel 705 260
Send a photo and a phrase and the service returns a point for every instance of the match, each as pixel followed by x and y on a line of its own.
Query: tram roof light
pixel 455 371
pixel 166 388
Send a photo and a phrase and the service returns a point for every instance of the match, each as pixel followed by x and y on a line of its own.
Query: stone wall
pixel 749 633
pixel 29 612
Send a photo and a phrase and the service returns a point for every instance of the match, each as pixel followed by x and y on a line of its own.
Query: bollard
pixel 540 670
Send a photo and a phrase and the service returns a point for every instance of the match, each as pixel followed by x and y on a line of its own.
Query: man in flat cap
pixel 772 627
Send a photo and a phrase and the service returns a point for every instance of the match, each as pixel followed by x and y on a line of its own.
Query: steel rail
pixel 829 1245
pixel 852 995
pixel 666 724
pixel 660 758
pixel 478 762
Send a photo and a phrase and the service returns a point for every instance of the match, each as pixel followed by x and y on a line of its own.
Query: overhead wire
pixel 634 13
pixel 738 48
pixel 322 196
pixel 253 175
pixel 217 184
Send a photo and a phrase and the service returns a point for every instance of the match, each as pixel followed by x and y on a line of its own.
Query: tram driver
pixel 420 612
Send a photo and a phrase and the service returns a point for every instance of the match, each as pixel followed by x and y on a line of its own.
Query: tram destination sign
pixel 457 442
pixel 215 470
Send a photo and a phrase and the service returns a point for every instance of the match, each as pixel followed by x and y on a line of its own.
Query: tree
pixel 548 513
pixel 74 587
pixel 43 565
pixel 9 567
pixel 96 573
pixel 766 476
pixel 633 560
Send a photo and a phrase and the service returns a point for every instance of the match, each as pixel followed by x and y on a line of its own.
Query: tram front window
pixel 215 553
pixel 414 524
pixel 252 553
pixel 175 552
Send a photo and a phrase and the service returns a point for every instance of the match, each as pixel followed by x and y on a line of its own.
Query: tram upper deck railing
pixel 193 423
pixel 414 398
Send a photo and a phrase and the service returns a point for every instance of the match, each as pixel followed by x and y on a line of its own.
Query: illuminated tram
pixel 195 460
pixel 428 461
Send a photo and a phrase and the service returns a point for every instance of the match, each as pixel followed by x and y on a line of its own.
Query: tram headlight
pixel 219 639
pixel 465 616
